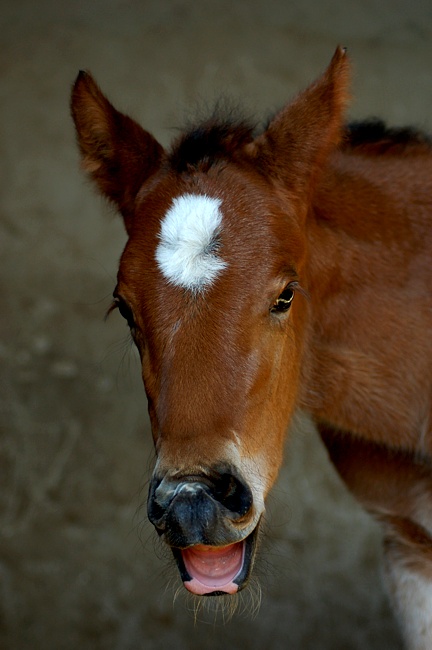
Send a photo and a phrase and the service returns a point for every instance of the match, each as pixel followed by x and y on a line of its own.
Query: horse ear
pixel 296 142
pixel 116 152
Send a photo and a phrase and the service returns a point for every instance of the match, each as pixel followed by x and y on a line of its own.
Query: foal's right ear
pixel 116 152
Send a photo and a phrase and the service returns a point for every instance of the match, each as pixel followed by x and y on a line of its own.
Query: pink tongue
pixel 213 568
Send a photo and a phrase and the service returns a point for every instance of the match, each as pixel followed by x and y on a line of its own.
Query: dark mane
pixel 220 136
pixel 214 139
pixel 374 137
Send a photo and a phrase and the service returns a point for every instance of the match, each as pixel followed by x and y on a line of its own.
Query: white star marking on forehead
pixel 186 253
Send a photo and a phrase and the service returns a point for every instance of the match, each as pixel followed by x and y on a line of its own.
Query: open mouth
pixel 216 570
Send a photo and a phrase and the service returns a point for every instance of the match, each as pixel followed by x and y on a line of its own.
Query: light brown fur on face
pixel 341 218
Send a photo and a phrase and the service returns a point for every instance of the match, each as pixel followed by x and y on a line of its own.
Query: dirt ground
pixel 79 564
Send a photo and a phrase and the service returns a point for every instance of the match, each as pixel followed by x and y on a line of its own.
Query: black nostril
pixel 155 510
pixel 233 494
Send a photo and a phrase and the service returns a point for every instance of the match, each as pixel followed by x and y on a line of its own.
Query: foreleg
pixel 396 489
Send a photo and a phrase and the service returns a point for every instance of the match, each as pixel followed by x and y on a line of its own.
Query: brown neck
pixel 359 247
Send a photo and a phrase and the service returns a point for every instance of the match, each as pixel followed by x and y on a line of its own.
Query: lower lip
pixel 213 568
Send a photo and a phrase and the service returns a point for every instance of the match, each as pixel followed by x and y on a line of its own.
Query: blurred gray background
pixel 79 565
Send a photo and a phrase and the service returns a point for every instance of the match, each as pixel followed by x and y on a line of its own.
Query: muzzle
pixel 204 519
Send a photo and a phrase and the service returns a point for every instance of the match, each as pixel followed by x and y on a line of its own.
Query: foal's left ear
pixel 297 141
pixel 116 152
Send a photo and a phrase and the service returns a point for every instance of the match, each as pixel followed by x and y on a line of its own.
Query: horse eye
pixel 283 303
pixel 126 312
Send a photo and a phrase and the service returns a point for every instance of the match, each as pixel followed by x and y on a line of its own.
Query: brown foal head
pixel 212 282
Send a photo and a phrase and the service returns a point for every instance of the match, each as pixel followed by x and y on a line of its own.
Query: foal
pixel 265 272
